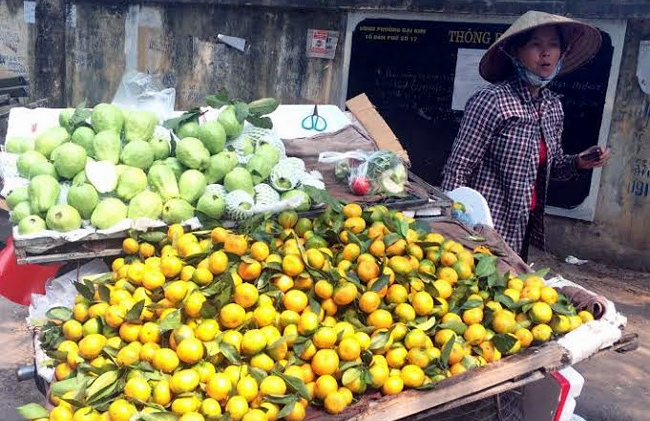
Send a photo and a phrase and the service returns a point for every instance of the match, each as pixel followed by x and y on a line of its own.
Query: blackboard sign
pixel 408 68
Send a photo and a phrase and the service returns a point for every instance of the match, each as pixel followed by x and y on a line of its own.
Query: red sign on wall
pixel 321 43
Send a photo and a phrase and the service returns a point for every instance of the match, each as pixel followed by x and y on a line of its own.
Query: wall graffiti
pixel 639 185
pixel 13 51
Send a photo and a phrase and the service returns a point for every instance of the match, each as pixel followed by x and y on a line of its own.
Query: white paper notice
pixel 467 79
pixel 643 66
pixel 322 43
pixel 29 11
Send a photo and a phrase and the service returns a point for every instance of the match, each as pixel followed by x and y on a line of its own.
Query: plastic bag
pixel 470 207
pixel 139 91
pixel 380 172
pixel 61 291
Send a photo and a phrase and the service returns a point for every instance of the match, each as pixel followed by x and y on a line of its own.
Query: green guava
pixel 192 185
pixel 175 165
pixel 137 153
pixel 80 178
pixel 176 211
pixel 160 143
pixel 107 146
pixel 26 160
pixel 84 198
pixel 41 167
pixel 188 129
pixel 131 182
pixel 211 205
pixel 83 136
pixel 191 153
pixel 69 159
pixel 49 139
pixel 64 117
pixel 146 204
pixel 163 181
pixel 63 218
pixel 259 167
pixel 107 117
pixel 219 165
pixel 20 211
pixel 17 195
pixel 19 144
pixel 43 193
pixel 213 136
pixel 119 168
pixel 300 196
pixel 31 224
pixel 246 145
pixel 139 125
pixel 239 179
pixel 108 212
pixel 228 119
pixel 269 152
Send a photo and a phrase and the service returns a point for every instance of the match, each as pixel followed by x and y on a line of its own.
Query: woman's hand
pixel 593 157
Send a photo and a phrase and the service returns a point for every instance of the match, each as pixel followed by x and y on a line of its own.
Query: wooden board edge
pixel 55 242
pixel 63 257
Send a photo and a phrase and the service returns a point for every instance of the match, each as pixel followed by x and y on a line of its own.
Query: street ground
pixel 616 386
pixel 16 350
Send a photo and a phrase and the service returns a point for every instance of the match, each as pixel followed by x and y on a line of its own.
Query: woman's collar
pixel 518 85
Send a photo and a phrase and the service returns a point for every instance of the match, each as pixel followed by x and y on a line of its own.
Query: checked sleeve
pixel 480 121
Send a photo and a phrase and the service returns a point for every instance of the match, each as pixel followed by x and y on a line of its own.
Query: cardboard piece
pixel 376 126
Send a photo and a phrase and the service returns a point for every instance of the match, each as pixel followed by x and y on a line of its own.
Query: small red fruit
pixel 360 186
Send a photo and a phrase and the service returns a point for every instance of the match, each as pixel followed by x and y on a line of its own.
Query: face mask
pixel 532 78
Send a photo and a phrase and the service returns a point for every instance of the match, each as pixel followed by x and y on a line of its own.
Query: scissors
pixel 314 121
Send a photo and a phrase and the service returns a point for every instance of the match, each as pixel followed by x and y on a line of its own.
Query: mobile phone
pixel 594 155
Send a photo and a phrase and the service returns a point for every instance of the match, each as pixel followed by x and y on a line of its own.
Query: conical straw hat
pixel 581 40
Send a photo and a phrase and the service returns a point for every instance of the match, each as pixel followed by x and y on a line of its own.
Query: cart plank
pixel 42 244
pixel 71 251
pixel 63 257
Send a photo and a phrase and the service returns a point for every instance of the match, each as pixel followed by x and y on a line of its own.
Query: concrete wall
pixel 75 51
pixel 14 40
pixel 179 44
pixel 78 50
pixel 620 233
pixel 32 47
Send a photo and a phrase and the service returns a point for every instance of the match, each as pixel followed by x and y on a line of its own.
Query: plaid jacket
pixel 496 153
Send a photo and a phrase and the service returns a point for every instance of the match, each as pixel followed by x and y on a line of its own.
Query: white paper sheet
pixel 29 11
pixel 467 79
pixel 287 120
